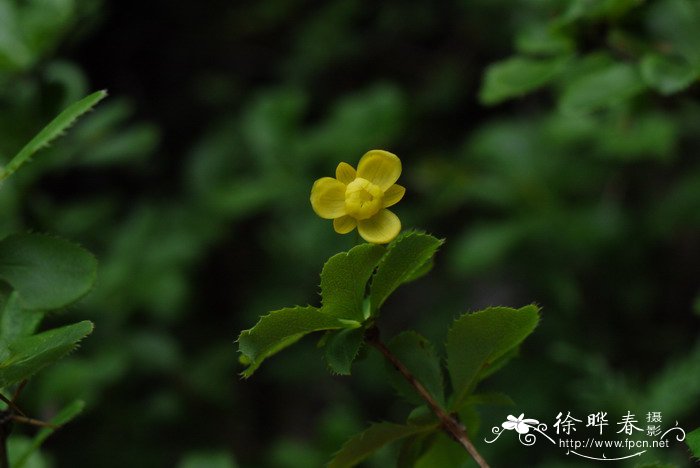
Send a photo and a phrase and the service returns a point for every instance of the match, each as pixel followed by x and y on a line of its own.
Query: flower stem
pixel 448 422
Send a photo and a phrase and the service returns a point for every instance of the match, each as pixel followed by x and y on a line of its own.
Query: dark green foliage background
pixel 191 183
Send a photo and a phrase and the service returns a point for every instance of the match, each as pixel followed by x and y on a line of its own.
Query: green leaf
pixel 477 340
pixel 15 323
pixel 667 74
pixel 413 448
pixel 405 258
pixel 541 39
pixel 421 271
pixel 693 441
pixel 516 76
pixel 64 416
pixel 485 245
pixel 470 418
pixel 344 281
pixel 372 439
pixel 48 273
pixel 17 444
pixel 342 348
pixel 30 354
pixel 497 364
pixel 601 89
pixel 280 329
pixel 610 9
pixel 421 416
pixel 359 120
pixel 641 135
pixel 14 52
pixel 418 355
pixel 52 131
pixel 676 25
pixel 443 452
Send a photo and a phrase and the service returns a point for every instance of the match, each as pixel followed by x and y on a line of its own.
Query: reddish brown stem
pixel 448 422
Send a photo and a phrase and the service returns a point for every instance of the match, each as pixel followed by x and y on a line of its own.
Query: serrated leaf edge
pixel 462 397
pixel 73 347
pixel 93 275
pixel 254 363
pixel 47 135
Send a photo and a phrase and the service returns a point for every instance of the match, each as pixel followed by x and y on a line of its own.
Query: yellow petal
pixel 393 195
pixel 328 198
pixel 380 228
pixel 380 167
pixel 345 173
pixel 344 224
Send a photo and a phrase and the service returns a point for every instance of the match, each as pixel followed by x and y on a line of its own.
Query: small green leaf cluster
pixel 567 209
pixel 347 310
pixel 478 344
pixel 38 274
pixel 354 286
pixel 657 50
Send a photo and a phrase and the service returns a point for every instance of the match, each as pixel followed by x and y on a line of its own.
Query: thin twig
pixel 11 404
pixel 449 424
pixel 14 414
pixel 33 422
pixel 18 390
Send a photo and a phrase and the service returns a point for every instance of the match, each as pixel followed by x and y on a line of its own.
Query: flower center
pixel 363 199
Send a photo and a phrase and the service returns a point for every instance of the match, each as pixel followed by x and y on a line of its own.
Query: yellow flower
pixel 360 198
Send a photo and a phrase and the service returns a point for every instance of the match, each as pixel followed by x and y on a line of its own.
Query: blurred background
pixel 191 183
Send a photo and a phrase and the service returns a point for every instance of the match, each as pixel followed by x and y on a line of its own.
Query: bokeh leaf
pixel 676 23
pixel 344 281
pixel 484 245
pixel 405 257
pixel 48 273
pixel 213 459
pixel 30 354
pixel 541 39
pixel 280 329
pixel 17 444
pixel 643 135
pixel 369 118
pixel 14 53
pixel 601 89
pixel 478 339
pixel 372 439
pixel 517 76
pixel 667 74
